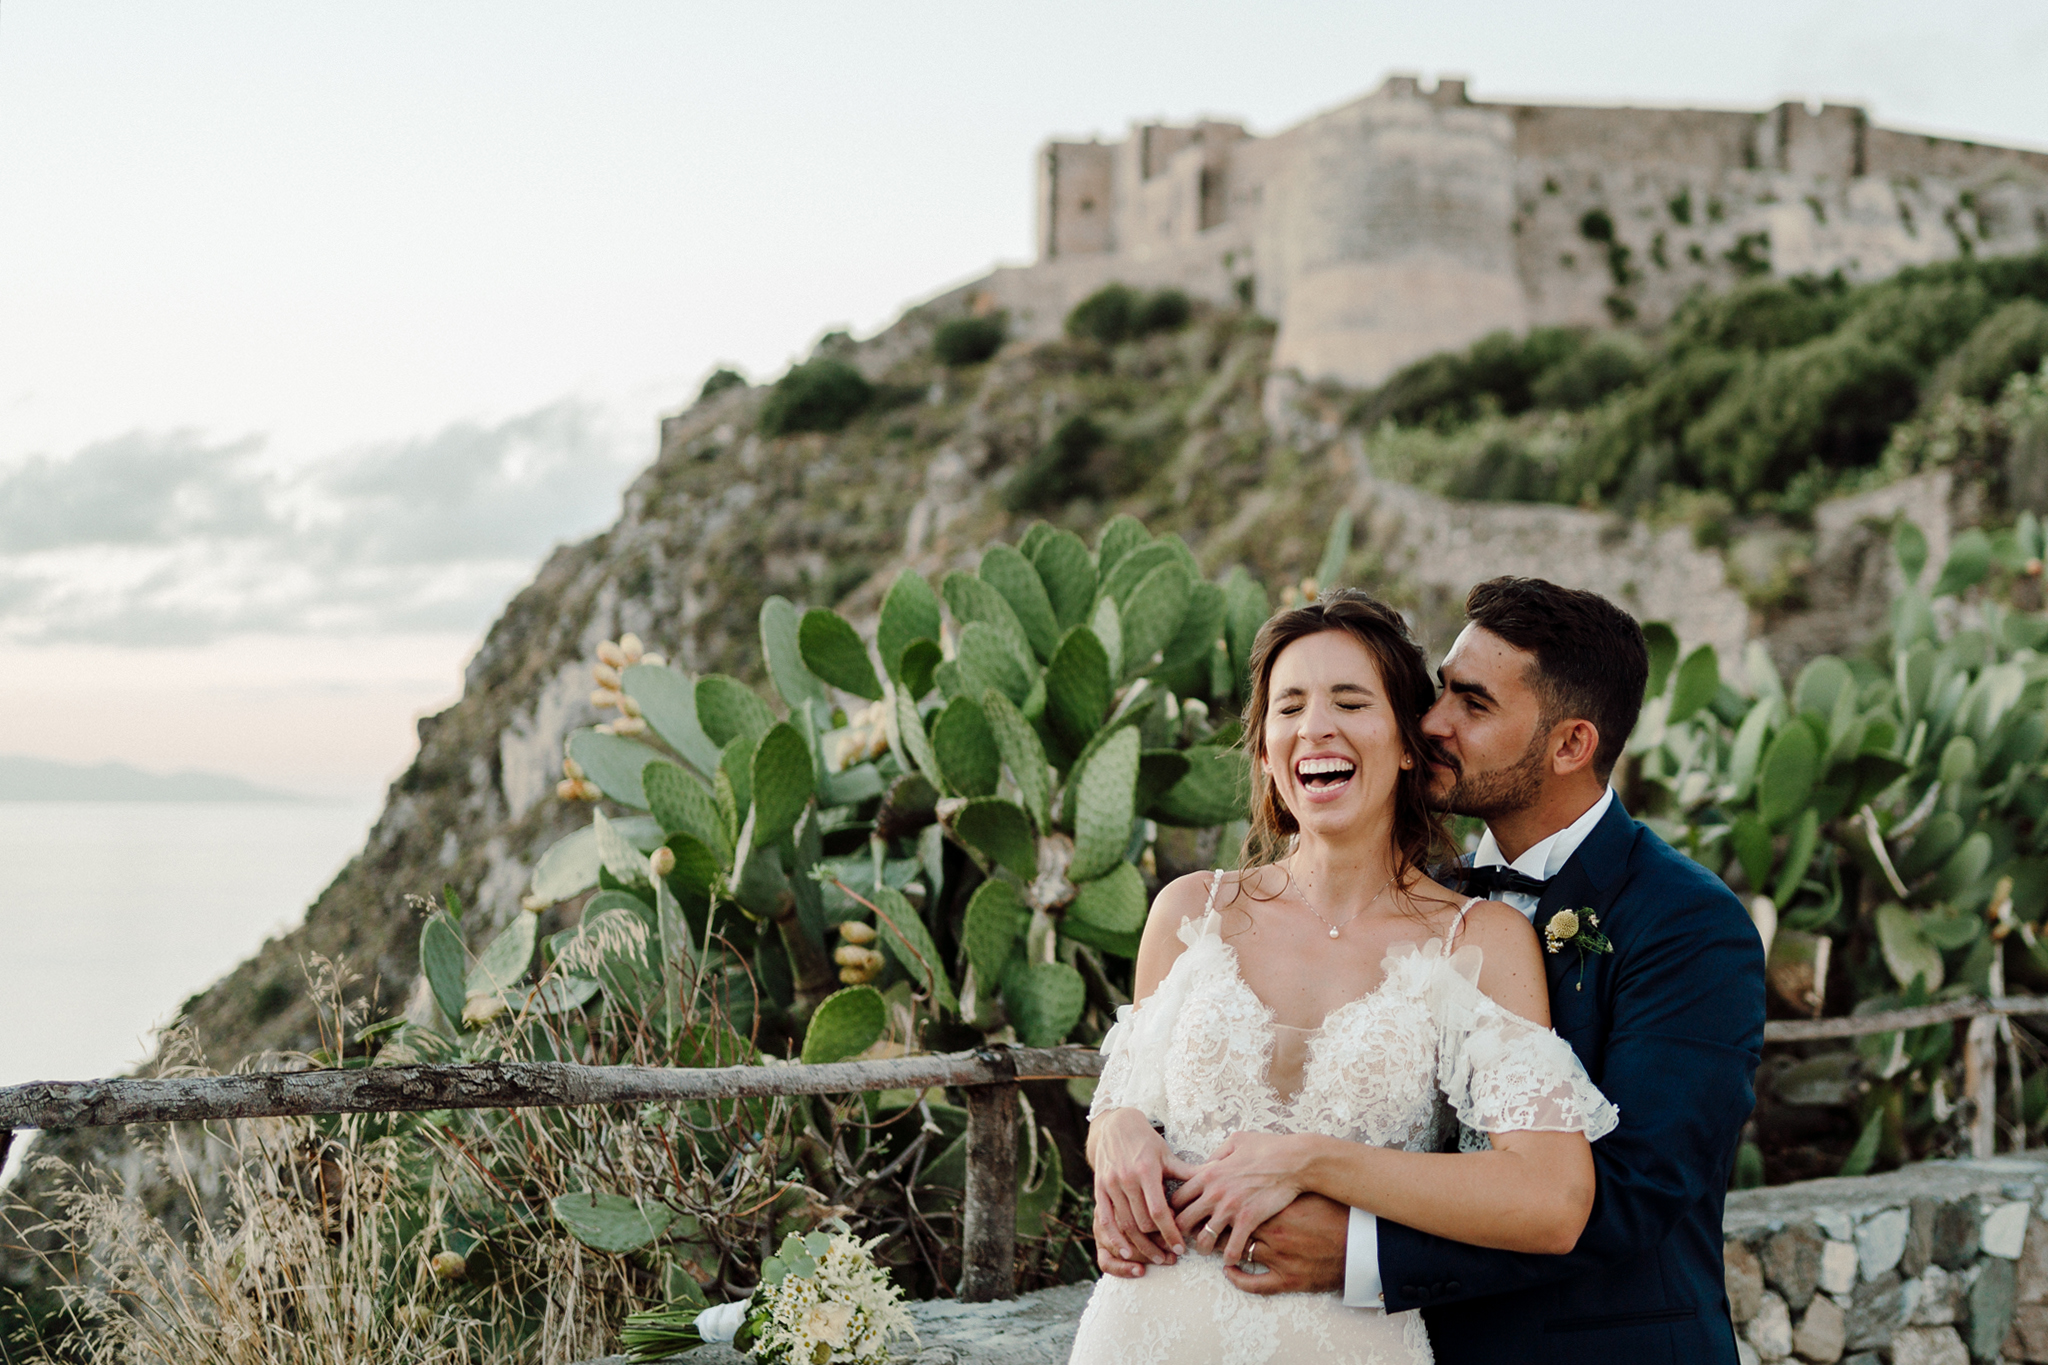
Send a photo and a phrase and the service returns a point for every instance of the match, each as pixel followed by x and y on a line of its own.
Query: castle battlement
pixel 1414 219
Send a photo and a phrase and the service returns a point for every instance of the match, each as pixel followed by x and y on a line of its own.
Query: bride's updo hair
pixel 1419 833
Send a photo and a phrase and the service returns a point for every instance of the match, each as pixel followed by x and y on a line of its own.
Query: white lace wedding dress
pixel 1203 1057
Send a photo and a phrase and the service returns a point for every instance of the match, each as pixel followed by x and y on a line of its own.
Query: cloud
pixel 167 539
pixel 132 490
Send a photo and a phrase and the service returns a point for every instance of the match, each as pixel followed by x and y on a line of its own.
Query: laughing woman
pixel 1317 1023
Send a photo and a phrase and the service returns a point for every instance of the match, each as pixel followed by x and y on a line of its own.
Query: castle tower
pixel 1386 234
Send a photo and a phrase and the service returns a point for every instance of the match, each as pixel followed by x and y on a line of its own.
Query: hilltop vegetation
pixel 1766 399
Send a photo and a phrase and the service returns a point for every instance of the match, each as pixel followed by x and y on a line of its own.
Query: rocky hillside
pixel 1184 428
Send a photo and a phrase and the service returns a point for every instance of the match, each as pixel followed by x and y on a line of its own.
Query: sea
pixel 113 913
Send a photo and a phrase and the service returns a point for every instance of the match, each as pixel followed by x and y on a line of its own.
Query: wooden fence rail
pixel 989 1077
pixel 1890 1021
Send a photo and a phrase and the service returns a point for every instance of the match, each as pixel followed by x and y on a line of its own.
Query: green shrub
pixel 1831 402
pixel 1165 311
pixel 1499 372
pixel 1766 315
pixel 1503 470
pixel 969 341
pixel 1062 470
pixel 1650 423
pixel 1751 254
pixel 1926 321
pixel 818 395
pixel 721 379
pixel 2013 340
pixel 1117 312
pixel 1105 315
pixel 1588 375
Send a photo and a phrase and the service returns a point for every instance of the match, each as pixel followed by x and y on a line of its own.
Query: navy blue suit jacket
pixel 1670 1026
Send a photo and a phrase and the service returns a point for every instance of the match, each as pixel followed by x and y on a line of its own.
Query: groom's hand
pixel 1301 1248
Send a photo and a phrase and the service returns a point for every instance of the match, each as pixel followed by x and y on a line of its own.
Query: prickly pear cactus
pixel 949 818
pixel 1883 818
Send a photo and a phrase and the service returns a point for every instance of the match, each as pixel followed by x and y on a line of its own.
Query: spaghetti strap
pixel 1451 938
pixel 1215 885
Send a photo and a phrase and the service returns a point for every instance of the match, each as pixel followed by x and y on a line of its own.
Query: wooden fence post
pixel 989 1225
pixel 1980 1083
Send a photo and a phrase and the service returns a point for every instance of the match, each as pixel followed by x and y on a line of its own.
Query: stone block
pixel 2032 1284
pixel 1881 1240
pixel 1770 1331
pixel 1940 1294
pixel 1745 1354
pixel 1918 1248
pixel 1991 1306
pixel 1745 1279
pixel 1838 1267
pixel 2005 1230
pixel 1879 1308
pixel 1863 1358
pixel 1958 1232
pixel 1838 1225
pixel 1929 1346
pixel 1791 1262
pixel 2028 1338
pixel 1821 1333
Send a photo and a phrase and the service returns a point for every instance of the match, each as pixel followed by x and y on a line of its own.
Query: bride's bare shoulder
pixel 1182 898
pixel 1437 903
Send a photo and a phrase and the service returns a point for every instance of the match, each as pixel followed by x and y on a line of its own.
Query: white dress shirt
pixel 1542 860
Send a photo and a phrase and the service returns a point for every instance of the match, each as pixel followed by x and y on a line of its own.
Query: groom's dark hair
pixel 1591 660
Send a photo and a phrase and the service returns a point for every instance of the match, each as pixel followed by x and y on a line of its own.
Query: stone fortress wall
pixel 1409 221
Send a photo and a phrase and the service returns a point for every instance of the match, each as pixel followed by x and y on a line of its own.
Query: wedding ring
pixel 1251 1252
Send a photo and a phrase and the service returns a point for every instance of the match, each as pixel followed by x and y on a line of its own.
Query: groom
pixel 1539 695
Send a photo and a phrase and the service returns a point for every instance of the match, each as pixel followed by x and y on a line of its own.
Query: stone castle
pixel 1412 220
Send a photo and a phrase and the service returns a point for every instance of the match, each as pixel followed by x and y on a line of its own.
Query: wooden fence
pixel 987 1077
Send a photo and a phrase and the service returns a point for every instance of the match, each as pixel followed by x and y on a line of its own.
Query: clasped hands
pixel 1249 1192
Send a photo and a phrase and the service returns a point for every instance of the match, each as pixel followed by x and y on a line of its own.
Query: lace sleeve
pixel 1134 1050
pixel 1504 1074
pixel 1118 1085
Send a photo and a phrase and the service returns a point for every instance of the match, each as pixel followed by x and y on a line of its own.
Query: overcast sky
pixel 321 322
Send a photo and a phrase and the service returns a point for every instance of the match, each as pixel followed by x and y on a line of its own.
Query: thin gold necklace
pixel 1333 928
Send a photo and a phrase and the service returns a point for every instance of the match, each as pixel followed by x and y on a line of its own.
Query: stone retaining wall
pixel 1943 1263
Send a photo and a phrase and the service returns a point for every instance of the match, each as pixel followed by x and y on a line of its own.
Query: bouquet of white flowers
pixel 823 1301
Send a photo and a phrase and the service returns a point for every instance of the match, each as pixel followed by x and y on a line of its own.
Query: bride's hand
pixel 1251 1178
pixel 1132 1165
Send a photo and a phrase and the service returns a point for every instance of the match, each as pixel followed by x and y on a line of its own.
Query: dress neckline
pixel 1212 923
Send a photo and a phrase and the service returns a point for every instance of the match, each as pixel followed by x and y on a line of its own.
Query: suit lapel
pixel 1589 880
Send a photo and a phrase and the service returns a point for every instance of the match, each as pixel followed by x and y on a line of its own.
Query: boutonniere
pixel 1576 929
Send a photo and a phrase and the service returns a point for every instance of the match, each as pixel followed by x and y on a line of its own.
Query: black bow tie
pixel 1491 881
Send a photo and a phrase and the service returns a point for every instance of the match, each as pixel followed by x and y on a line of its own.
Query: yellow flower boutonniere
pixel 1576 929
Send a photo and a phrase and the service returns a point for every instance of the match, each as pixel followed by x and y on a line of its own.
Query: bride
pixel 1318 1022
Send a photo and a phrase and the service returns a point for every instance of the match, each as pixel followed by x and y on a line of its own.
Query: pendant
pixel 1333 932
